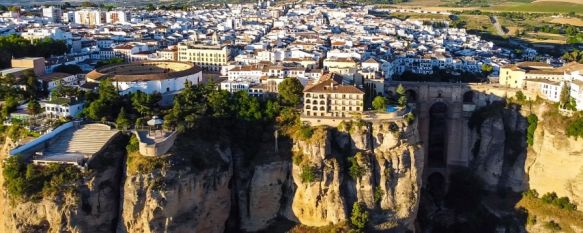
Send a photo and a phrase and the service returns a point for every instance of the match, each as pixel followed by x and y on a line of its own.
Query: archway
pixel 468 97
pixel 437 135
pixel 436 185
pixel 411 96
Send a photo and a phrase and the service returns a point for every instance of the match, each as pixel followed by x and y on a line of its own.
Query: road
pixel 497 25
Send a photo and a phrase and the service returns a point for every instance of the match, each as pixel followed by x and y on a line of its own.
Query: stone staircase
pixel 87 139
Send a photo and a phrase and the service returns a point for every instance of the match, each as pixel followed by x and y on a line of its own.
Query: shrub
pixel 575 128
pixel 379 103
pixel 378 194
pixel 559 202
pixel 298 158
pixel 355 171
pixel 304 132
pixel 532 124
pixel 530 193
pixel 520 97
pixel 33 182
pixel 552 226
pixel 359 217
pixel 308 174
pixel 531 219
pixel 410 117
pixel 133 145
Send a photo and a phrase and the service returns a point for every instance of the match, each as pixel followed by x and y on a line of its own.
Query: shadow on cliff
pixel 482 196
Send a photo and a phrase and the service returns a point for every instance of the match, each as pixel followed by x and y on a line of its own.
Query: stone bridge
pixel 443 111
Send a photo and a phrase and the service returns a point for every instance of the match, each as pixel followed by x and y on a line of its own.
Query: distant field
pixel 571 21
pixel 544 6
pixel 570 1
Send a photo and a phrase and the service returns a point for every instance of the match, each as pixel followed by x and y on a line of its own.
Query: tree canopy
pixel 291 91
pixel 16 46
pixel 69 69
pixel 379 103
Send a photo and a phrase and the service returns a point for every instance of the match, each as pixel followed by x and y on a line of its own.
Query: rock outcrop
pixel 261 198
pixel 176 201
pixel 92 207
pixel 389 186
pixel 555 164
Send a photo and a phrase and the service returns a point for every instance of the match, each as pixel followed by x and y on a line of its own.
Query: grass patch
pixel 563 217
pixel 545 7
pixel 338 228
pixel 138 164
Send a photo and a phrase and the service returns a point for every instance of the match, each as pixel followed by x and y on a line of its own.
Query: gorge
pixel 460 166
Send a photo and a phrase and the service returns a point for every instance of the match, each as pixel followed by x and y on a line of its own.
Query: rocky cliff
pixel 92 207
pixel 555 163
pixel 502 159
pixel 391 162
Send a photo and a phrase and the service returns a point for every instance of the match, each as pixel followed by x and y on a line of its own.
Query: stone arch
pixel 412 96
pixel 436 184
pixel 437 146
pixel 322 102
pixel 468 97
pixel 321 108
pixel 314 102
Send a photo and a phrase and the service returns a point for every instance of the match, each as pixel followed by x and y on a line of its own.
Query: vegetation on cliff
pixel 33 182
pixel 550 211
pixel 532 124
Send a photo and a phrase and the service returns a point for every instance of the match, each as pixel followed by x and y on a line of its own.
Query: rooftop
pixel 144 71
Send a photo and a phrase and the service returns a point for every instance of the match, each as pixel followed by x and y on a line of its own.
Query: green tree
pixel 487 68
pixel 532 124
pixel 145 104
pixel 401 95
pixel 575 128
pixel 220 103
pixel 272 109
pixel 122 120
pixel 520 97
pixel 150 7
pixel 359 216
pixel 291 91
pixel 249 107
pixel 69 69
pixel 112 61
pixel 356 171
pixel 9 106
pixel 379 103
pixel 33 107
pixel 14 9
pixel 565 96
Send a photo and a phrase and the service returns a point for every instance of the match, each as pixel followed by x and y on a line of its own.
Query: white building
pixel 62 107
pixel 148 76
pixel 52 13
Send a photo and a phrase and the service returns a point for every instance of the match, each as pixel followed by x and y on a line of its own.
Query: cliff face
pixel 262 198
pixel 499 153
pixel 555 164
pixel 93 207
pixel 176 201
pixel 389 185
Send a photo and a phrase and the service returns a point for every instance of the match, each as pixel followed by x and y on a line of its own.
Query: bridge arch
pixel 468 97
pixel 436 184
pixel 437 135
pixel 412 96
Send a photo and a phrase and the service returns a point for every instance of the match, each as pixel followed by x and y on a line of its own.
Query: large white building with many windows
pixel 331 98
pixel 209 57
